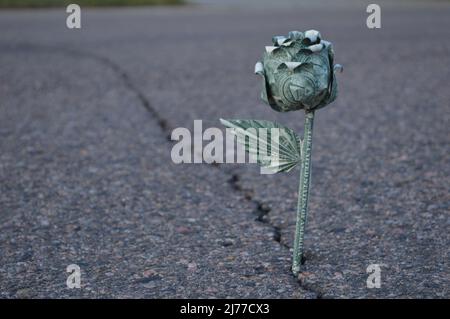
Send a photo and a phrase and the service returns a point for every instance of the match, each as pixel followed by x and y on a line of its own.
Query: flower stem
pixel 303 192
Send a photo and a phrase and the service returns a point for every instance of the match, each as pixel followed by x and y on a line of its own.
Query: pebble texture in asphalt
pixel 86 175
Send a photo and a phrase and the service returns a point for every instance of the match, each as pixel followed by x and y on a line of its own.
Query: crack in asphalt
pixel 123 75
pixel 262 209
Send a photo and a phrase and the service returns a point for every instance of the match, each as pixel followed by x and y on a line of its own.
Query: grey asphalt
pixel 86 176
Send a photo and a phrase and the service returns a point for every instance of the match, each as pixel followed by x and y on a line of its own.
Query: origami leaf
pixel 259 139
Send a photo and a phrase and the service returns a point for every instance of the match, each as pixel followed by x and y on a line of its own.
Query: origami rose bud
pixel 298 72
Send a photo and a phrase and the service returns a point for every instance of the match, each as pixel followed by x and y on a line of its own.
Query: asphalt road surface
pixel 86 176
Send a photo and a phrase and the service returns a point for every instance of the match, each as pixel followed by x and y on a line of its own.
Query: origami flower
pixel 298 72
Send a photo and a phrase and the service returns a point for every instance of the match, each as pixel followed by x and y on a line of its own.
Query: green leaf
pixel 281 156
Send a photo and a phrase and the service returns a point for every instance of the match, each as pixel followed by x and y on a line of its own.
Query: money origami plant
pixel 298 73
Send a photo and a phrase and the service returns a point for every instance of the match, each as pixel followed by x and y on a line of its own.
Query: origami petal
pixel 265 92
pixel 316 47
pixel 338 68
pixel 313 36
pixel 270 49
pixel 290 65
pixel 295 35
pixel 259 68
pixel 279 40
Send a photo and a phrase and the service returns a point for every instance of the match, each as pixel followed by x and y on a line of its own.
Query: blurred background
pixel 56 3
pixel 86 176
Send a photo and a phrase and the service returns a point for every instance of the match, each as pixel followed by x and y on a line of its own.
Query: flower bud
pixel 298 72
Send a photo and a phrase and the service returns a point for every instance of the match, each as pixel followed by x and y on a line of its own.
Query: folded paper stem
pixel 303 192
